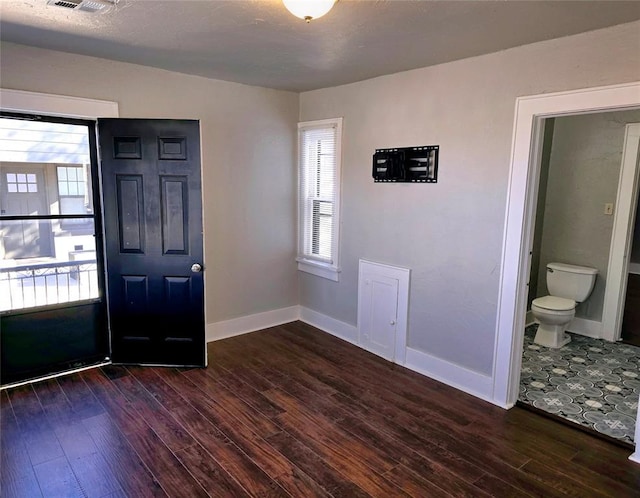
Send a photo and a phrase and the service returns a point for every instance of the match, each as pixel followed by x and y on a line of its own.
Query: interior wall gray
pixel 542 196
pixel 449 234
pixel 583 175
pixel 248 160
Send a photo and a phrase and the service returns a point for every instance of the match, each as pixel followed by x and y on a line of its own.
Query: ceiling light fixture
pixel 308 9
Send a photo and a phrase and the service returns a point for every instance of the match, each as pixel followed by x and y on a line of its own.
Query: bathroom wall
pixel 584 169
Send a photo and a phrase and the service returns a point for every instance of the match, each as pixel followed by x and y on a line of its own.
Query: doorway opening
pixel 522 196
pixel 52 298
pixel 586 175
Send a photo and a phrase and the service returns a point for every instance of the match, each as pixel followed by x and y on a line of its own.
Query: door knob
pixel 196 268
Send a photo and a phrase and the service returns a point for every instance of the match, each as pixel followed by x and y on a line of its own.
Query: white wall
pixel 248 151
pixel 450 234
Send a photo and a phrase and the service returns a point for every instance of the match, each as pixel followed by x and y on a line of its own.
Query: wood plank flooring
pixel 289 411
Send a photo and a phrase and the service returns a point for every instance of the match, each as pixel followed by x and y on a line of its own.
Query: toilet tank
pixel 570 281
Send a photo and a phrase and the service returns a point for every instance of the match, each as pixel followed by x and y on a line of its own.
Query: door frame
pixel 530 112
pixel 625 214
pixel 57 105
pixel 63 106
pixel 21 101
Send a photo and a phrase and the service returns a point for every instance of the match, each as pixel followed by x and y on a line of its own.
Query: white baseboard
pixel 330 325
pixel 456 376
pixel 474 383
pixel 589 328
pixel 529 320
pixel 635 457
pixel 251 323
pixel 441 370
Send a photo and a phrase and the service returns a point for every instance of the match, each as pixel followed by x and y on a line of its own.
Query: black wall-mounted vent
pixel 406 164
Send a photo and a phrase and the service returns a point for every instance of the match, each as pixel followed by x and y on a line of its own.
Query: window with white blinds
pixel 319 196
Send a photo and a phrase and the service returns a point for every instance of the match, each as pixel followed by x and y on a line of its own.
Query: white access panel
pixel 383 301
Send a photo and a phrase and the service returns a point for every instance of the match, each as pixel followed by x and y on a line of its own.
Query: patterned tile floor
pixel 592 382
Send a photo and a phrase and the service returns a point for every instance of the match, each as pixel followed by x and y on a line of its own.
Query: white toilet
pixel 568 285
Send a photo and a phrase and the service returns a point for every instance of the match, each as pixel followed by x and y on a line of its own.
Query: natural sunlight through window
pixel 319 144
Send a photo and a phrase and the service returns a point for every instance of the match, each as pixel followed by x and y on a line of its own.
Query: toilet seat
pixel 554 303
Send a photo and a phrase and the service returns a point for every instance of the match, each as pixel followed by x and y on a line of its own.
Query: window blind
pixel 318 192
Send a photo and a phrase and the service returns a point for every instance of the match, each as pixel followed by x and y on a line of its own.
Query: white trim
pixel 520 211
pixel 621 240
pixel 635 457
pixel 56 105
pixel 513 291
pixel 330 270
pixel 588 328
pixel 251 323
pixel 454 375
pixel 55 375
pixel 319 269
pixel 402 275
pixel 474 383
pixel 330 325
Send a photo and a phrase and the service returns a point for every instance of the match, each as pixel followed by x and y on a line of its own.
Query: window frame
pixel 307 262
pixel 75 225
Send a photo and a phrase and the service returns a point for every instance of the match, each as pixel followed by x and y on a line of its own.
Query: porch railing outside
pixel 50 283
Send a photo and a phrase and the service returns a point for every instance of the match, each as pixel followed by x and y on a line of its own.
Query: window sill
pixel 319 269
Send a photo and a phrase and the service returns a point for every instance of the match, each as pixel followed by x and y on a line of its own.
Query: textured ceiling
pixel 257 42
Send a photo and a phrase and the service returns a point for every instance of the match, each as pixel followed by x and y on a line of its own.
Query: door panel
pixel 153 226
pixel 378 328
pixel 66 338
pixel 53 314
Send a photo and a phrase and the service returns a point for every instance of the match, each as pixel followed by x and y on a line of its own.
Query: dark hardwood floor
pixel 289 411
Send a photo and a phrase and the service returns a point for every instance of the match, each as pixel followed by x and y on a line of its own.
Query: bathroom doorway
pixel 590 381
pixel 529 117
pixel 583 207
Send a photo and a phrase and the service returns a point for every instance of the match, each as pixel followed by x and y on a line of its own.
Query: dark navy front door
pixel 151 185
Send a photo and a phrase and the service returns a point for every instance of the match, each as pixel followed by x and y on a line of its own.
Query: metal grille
pixel 44 284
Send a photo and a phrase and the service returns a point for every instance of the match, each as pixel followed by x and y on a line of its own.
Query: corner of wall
pixel 250 323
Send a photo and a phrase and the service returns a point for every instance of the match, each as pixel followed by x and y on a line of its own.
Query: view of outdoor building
pixel 47 243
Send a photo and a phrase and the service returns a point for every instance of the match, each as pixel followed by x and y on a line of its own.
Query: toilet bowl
pixel 568 285
pixel 553 315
